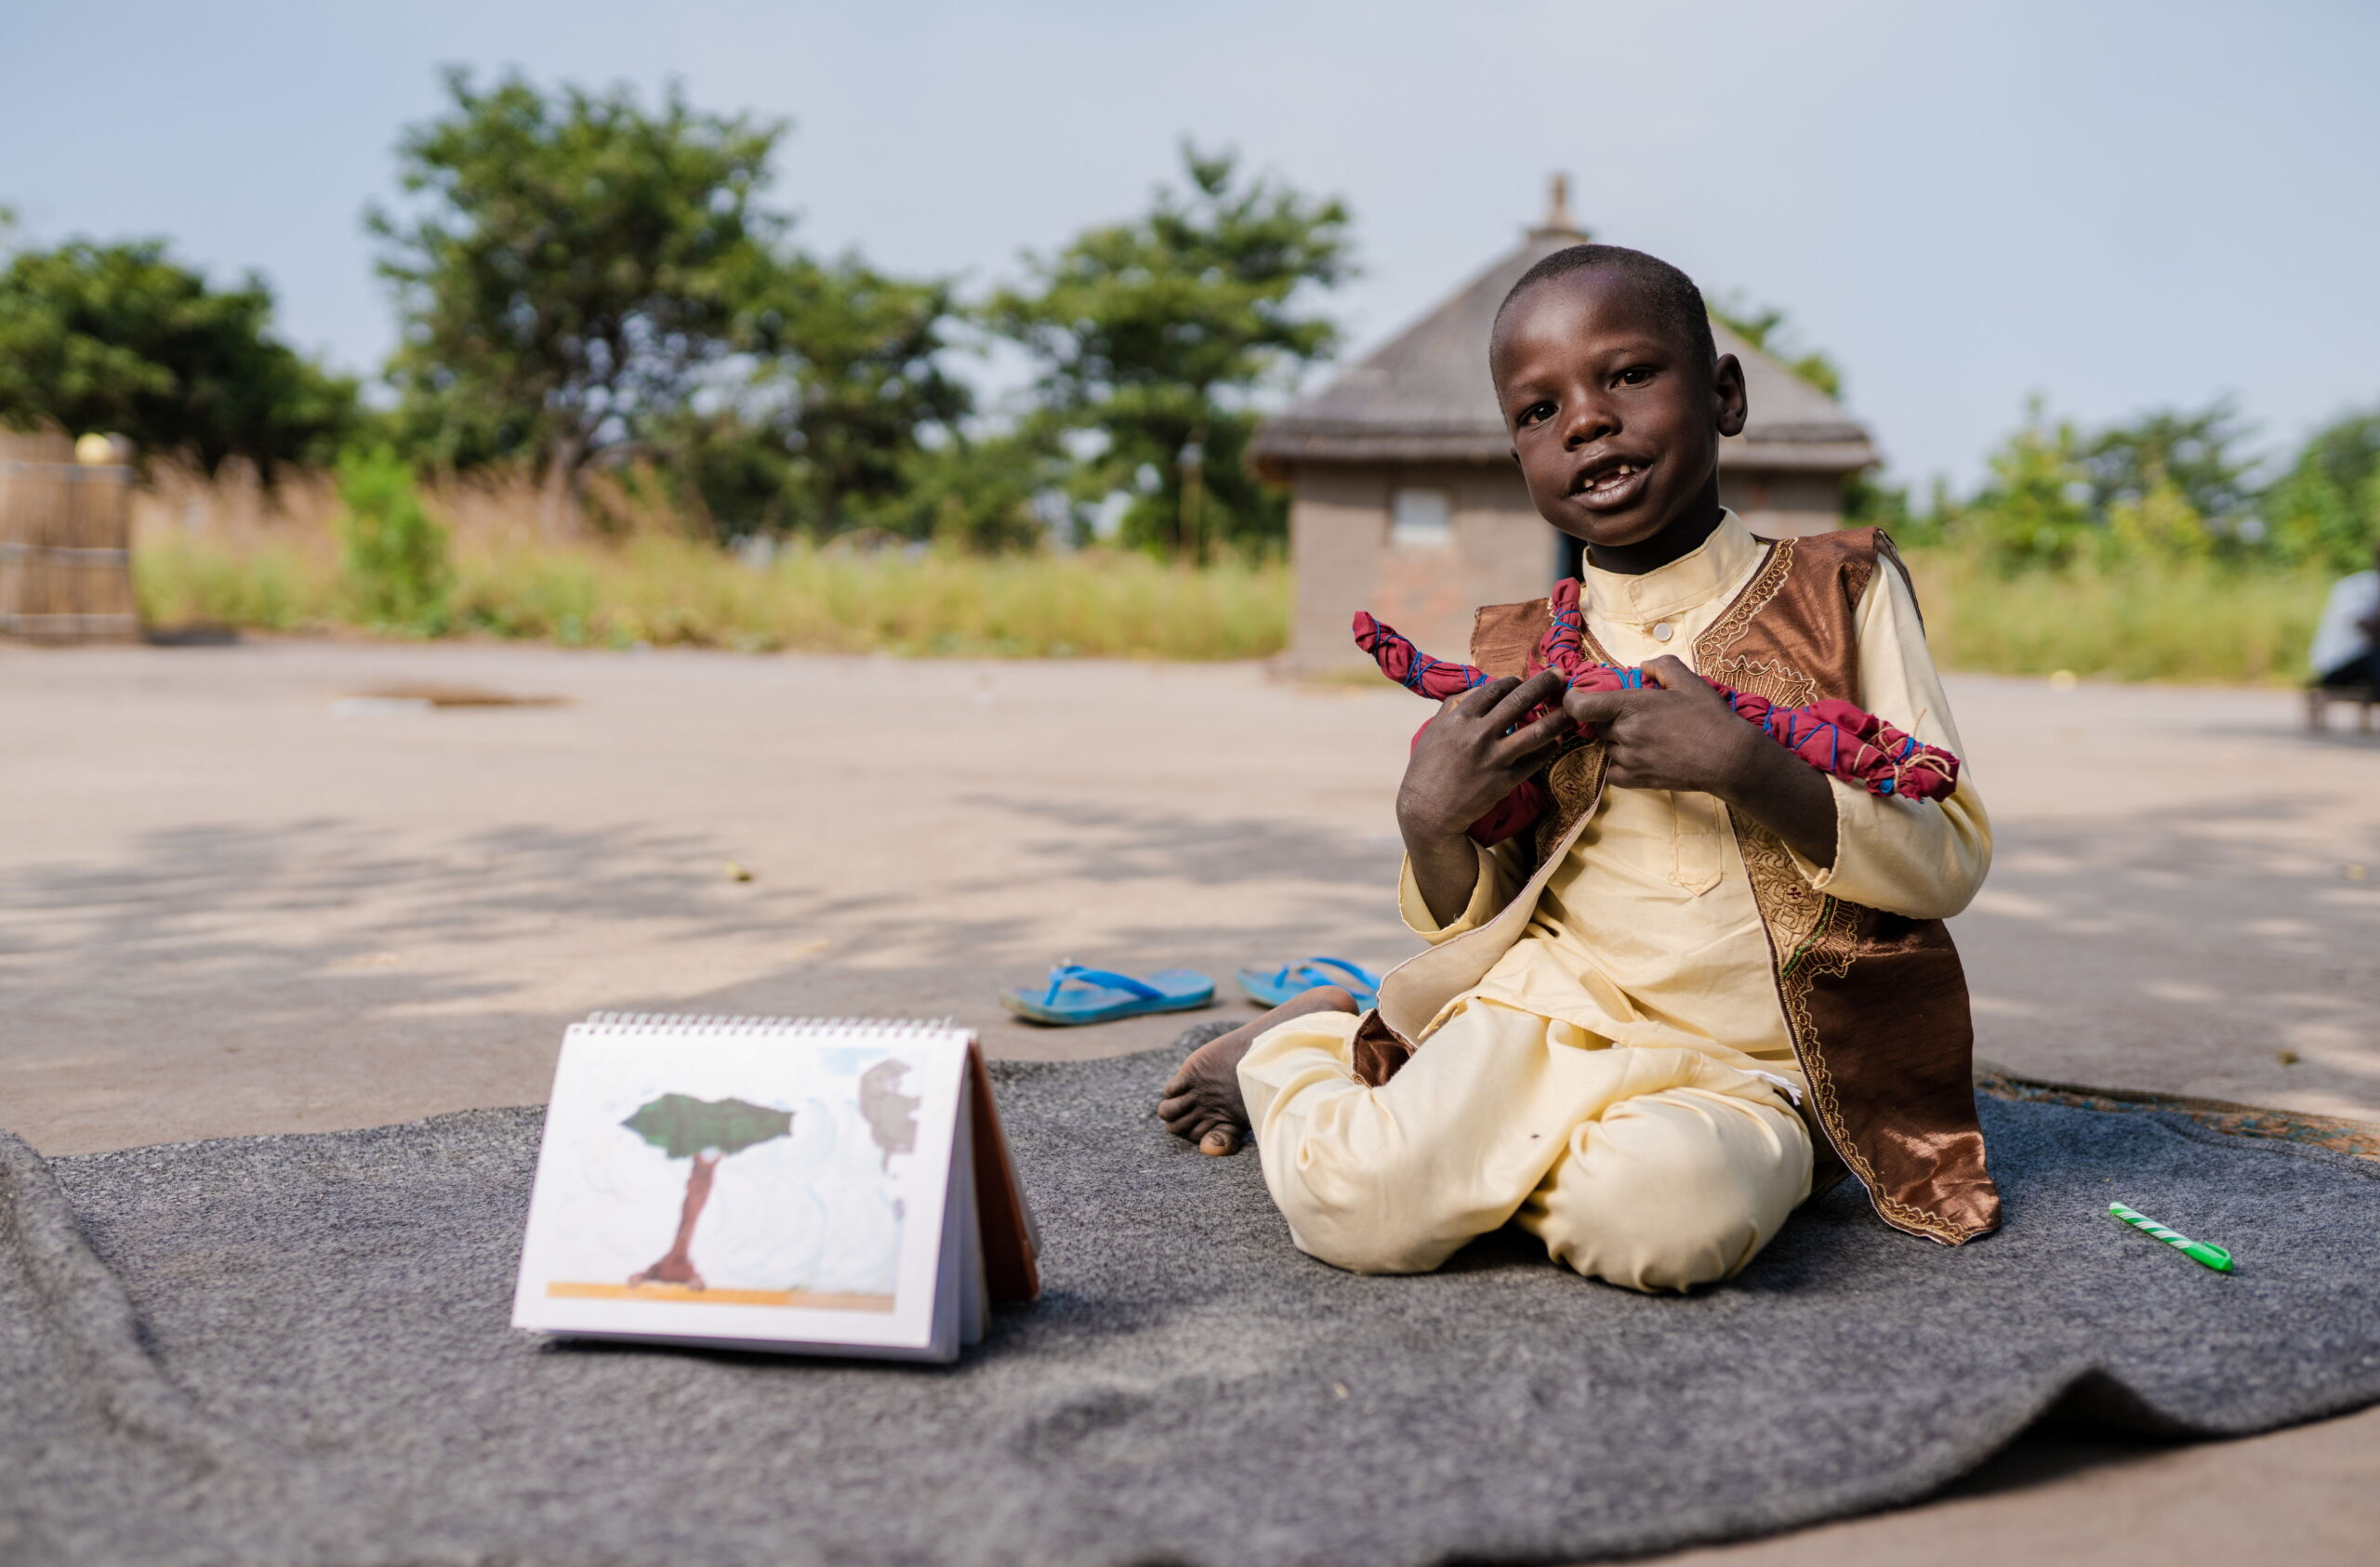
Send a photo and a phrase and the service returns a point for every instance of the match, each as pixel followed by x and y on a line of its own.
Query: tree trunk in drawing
pixel 677 1266
pixel 704 1131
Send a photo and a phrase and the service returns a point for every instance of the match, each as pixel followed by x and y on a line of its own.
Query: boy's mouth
pixel 1609 482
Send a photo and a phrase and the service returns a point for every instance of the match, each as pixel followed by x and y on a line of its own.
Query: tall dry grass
pixel 669 591
pixel 233 557
pixel 2189 623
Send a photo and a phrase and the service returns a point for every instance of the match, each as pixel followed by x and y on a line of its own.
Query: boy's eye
pixel 1534 412
pixel 1635 375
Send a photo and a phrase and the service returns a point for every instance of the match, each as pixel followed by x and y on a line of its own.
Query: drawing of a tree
pixel 704 1131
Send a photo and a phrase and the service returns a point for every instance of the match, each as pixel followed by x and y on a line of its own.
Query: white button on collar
pixel 1663 632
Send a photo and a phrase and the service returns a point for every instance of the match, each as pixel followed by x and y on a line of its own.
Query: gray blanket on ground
pixel 290 1349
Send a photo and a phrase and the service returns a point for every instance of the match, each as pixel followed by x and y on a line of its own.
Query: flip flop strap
pixel 1072 973
pixel 1314 965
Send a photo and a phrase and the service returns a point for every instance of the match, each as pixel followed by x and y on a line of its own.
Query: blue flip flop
pixel 1076 994
pixel 1274 986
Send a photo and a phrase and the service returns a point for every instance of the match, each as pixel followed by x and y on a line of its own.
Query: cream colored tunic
pixel 1646 938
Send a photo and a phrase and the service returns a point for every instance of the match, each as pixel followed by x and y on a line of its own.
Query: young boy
pixel 1711 970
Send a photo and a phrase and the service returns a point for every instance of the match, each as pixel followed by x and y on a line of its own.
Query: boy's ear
pixel 1727 393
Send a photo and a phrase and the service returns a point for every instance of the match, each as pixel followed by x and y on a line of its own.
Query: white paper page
pixel 815 1160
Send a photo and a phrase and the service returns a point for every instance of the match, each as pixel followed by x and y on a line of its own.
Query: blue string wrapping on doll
pixel 1778 725
pixel 1793 730
pixel 1631 677
pixel 1423 664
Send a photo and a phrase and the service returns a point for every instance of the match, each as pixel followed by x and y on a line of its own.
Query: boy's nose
pixel 1589 422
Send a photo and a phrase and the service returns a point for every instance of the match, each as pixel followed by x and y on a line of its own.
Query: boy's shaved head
pixel 1616 401
pixel 1666 292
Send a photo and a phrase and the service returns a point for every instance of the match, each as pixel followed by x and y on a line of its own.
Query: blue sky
pixel 2115 203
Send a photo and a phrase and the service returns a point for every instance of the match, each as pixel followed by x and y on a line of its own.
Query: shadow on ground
pixel 2184 950
pixel 387 979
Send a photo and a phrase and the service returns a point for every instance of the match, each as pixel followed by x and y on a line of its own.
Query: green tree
pixel 703 1132
pixel 2161 524
pixel 2035 508
pixel 850 383
pixel 2325 509
pixel 978 494
pixel 1153 337
pixel 733 470
pixel 2194 453
pixel 571 272
pixel 1765 328
pixel 1870 502
pixel 841 396
pixel 124 338
pixel 396 560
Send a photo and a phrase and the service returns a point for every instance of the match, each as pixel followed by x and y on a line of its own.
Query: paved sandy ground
pixel 234 900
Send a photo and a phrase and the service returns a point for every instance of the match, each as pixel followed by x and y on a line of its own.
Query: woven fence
pixel 65 543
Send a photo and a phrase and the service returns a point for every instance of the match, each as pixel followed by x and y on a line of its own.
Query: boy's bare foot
pixel 1202 1103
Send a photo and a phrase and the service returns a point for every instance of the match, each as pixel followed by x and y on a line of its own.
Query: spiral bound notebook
pixel 805 1185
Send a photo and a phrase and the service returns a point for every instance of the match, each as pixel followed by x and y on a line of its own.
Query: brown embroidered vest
pixel 1876 1003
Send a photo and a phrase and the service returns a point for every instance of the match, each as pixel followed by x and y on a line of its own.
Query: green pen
pixel 2197 1251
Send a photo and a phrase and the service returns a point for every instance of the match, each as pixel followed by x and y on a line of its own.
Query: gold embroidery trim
pixel 1575 778
pixel 1576 783
pixel 1812 936
pixel 1771 677
pixel 1766 585
pixel 1788 906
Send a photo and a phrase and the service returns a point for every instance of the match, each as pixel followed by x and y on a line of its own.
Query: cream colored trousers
pixel 1655 1168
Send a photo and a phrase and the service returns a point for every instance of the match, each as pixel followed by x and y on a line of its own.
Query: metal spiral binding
pixel 634 1025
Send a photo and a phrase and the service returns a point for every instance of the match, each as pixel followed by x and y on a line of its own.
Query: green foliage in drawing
pixel 681 1127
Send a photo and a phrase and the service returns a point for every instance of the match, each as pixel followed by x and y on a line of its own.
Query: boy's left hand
pixel 1675 734
pixel 1678 733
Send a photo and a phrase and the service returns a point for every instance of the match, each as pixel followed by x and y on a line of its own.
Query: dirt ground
pixel 235 898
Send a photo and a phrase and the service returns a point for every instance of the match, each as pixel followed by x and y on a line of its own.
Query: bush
pixel 976 496
pixel 2161 525
pixel 2325 511
pixel 2034 512
pixel 398 571
pixel 2169 487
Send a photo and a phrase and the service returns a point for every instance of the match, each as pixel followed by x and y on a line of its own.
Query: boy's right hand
pixel 1469 757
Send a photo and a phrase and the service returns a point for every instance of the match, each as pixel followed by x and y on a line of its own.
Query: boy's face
pixel 1614 425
